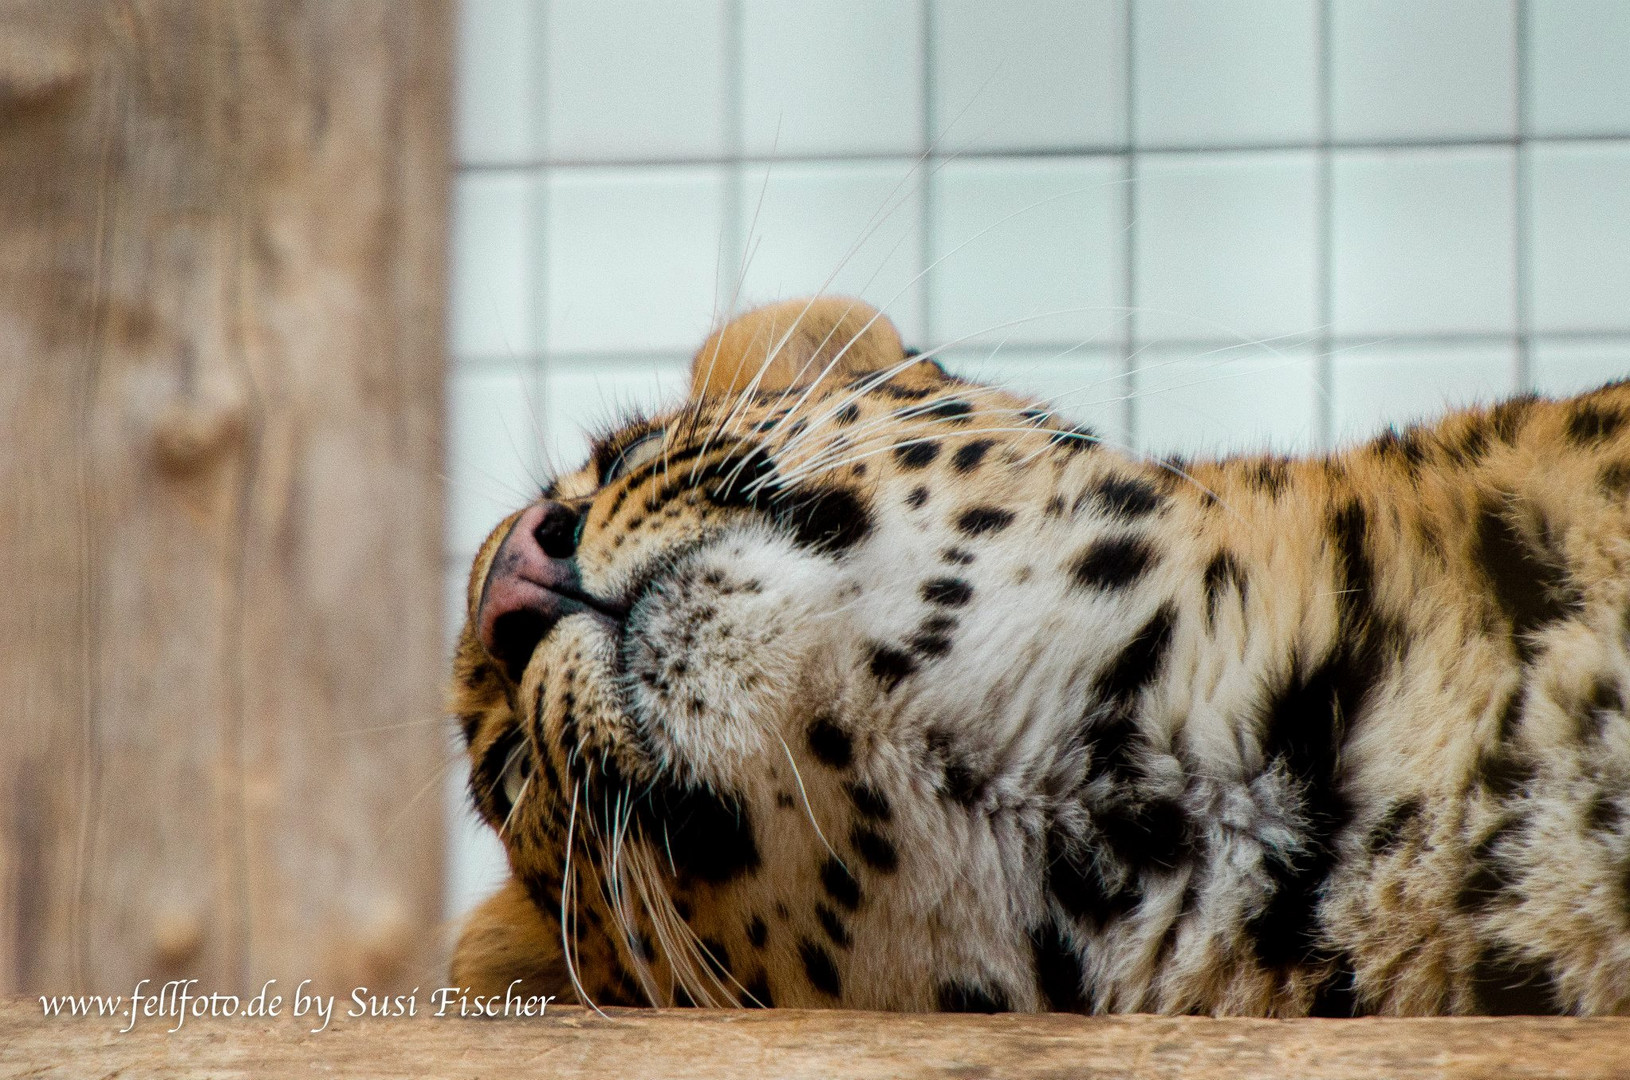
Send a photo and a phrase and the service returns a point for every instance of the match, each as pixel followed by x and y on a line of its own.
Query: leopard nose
pixel 531 584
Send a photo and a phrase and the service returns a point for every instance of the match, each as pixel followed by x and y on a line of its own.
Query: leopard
pixel 850 683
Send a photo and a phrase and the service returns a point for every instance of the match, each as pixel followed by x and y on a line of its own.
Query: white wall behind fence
pixel 1199 225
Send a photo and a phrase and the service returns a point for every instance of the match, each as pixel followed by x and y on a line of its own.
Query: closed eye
pixel 508 763
pixel 516 771
pixel 635 454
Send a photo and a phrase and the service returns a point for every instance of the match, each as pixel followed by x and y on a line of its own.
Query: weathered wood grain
pixel 573 1045
pixel 221 370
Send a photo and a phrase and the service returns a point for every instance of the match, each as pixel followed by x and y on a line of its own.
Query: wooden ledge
pixel 572 1043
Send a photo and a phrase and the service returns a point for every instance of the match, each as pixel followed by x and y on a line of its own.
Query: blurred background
pixel 1198 225
pixel 297 300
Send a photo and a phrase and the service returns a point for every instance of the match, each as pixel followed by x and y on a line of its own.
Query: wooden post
pixel 757 1044
pixel 221 366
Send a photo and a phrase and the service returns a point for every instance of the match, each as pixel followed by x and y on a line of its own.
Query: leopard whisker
pixel 809 811
pixel 568 909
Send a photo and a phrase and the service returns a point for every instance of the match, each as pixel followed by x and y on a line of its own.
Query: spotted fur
pixel 895 693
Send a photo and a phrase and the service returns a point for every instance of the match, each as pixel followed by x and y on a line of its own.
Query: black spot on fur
pixel 977 520
pixel 963 997
pixel 567 736
pixel 1270 475
pixel 1614 479
pixel 1508 416
pixel 758 932
pixel 480 678
pixel 839 884
pixel 847 415
pixel 1306 723
pixel 830 744
pixel 1058 970
pixel 1144 835
pixel 1112 742
pixel 876 849
pixel 1472 445
pixel 1599 708
pixel 716 957
pixel 830 519
pixel 1337 996
pixel 758 992
pixel 1405 449
pixel 832 923
pixel 946 591
pixel 947 410
pixel 1510 716
pixel 1077 440
pixel 1356 580
pixel 1127 498
pixel 1531 591
pixel 916 455
pixel 708 835
pixel 1390 829
pixel 930 643
pixel 734 479
pixel 1140 659
pixel 1114 562
pixel 544 892
pixel 1604 815
pixel 1490 876
pixel 818 967
pixel 895 390
pixel 785 800
pixel 890 666
pixel 970 454
pixel 962 783
pixel 1222 570
pixel 917 497
pixel 1590 423
pixel 1077 882
pixel 956 556
pixel 965 786
pixel 1504 986
pixel 870 802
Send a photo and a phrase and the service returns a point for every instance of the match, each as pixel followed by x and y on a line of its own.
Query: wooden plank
pixel 343 757
pixel 221 365
pixel 571 1044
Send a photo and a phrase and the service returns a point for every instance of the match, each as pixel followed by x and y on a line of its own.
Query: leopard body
pixel 883 689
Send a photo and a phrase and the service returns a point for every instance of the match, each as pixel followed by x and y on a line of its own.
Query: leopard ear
pixel 796 340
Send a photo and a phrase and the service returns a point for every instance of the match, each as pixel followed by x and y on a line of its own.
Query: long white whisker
pixel 568 891
pixel 809 811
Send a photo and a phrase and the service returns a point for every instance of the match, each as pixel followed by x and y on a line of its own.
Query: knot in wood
pixel 34 70
pixel 178 937
pixel 191 436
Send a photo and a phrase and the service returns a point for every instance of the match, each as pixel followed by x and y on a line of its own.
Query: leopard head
pixel 700 680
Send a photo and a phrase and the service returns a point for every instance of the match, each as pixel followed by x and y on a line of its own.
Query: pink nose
pixel 532 584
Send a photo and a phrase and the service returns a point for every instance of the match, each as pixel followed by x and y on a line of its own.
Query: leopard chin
pixel 851 683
